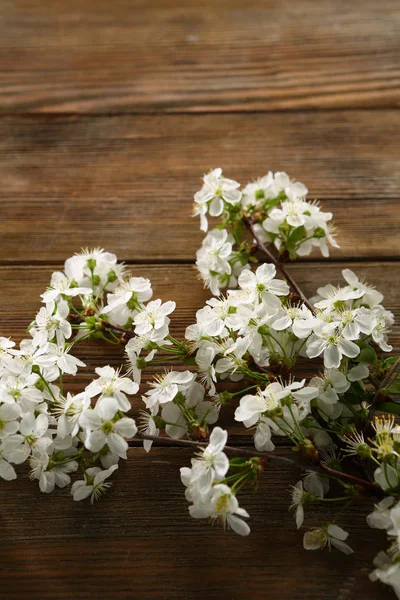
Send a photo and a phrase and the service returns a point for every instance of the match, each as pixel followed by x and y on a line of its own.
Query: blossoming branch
pixel 253 332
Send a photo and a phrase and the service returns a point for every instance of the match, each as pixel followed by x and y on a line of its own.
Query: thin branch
pixel 390 374
pixel 128 333
pixel 107 326
pixel 266 460
pixel 278 264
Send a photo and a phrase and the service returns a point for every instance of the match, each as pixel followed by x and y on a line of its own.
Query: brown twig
pixel 124 332
pixel 267 459
pixel 278 264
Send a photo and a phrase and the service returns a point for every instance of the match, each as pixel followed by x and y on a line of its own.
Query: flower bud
pixel 307 451
pixel 112 276
pixel 91 263
pixel 287 401
pixel 179 398
pixel 224 397
pixel 159 422
pixel 274 413
pixel 141 362
pixel 199 433
pixel 319 233
pixel 364 451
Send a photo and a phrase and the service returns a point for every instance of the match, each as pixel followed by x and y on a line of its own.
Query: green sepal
pixel 367 355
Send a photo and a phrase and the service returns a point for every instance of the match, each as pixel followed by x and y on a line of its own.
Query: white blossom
pixel 332 535
pixel 201 411
pixel 61 285
pixel 49 326
pixel 165 387
pixel 111 385
pixel 327 340
pixel 219 266
pixel 102 428
pixel 127 299
pixel 212 464
pixel 221 504
pixel 387 572
pixel 148 426
pixel 96 269
pixel 153 316
pixel 262 283
pixel 70 410
pixel 217 191
pixel 298 495
pixel 9 414
pixel 94 484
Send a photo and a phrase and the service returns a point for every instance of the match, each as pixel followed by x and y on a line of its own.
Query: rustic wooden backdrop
pixel 110 114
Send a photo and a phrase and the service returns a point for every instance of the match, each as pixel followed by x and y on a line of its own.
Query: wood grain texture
pixel 139 542
pixel 86 56
pixel 127 182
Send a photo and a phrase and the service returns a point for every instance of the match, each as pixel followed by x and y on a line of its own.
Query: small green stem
pixel 240 483
pixel 279 344
pixel 341 511
pixel 100 292
pixel 61 382
pixel 299 348
pixel 297 426
pixel 48 388
pixel 340 499
pixel 245 390
pixel 173 340
pixel 175 425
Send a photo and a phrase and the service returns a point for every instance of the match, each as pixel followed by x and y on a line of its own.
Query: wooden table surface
pixel 110 114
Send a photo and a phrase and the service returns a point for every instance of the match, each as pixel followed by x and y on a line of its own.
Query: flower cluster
pixel 207 489
pixel 218 264
pixel 175 403
pixel 259 324
pixel 347 315
pixel 278 409
pixel 285 218
pixel 231 331
pixel 59 433
pixel 55 433
pixel 246 349
pixel 383 447
pixel 277 205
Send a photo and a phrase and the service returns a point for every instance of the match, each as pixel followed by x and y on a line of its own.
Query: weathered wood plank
pixel 185 56
pixel 127 182
pixel 20 287
pixel 139 542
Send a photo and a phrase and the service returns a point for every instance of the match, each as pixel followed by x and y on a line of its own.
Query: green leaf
pixel 297 234
pixel 33 324
pixel 367 355
pixel 394 388
pixel 386 363
pixel 390 407
pixel 294 239
pixel 268 204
